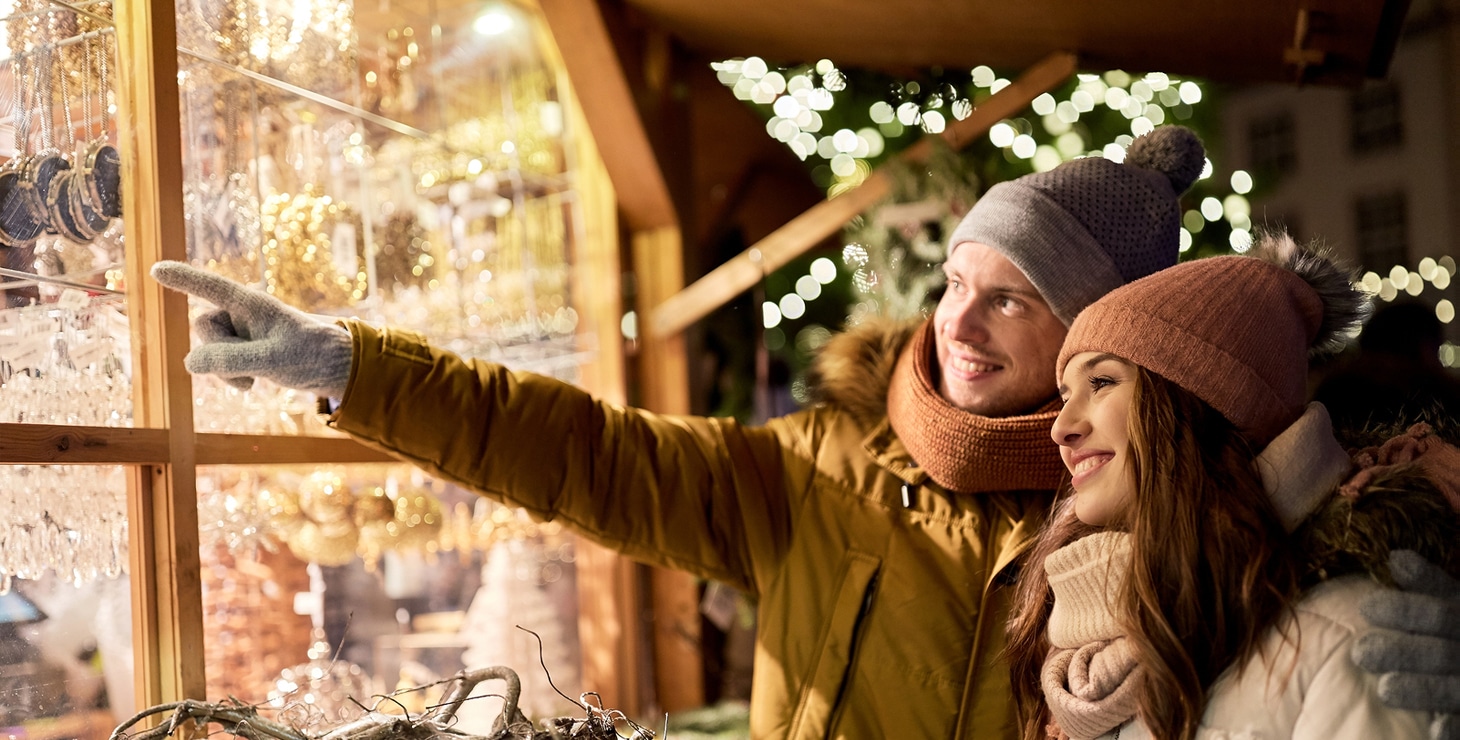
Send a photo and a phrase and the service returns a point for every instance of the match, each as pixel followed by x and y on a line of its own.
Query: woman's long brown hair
pixel 1211 567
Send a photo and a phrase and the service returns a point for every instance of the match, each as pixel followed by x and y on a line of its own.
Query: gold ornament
pixel 281 510
pixel 313 543
pixel 373 507
pixel 327 500
pixel 299 261
pixel 405 255
pixel 417 519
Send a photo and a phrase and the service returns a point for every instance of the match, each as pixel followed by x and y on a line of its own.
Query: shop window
pixel 1376 119
pixel 1383 230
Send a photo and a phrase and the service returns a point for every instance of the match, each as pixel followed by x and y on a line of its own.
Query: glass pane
pixel 64 347
pixel 381 163
pixel 331 583
pixel 65 602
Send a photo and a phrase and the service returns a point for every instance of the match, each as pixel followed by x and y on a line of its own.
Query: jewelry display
pixel 66 363
pixel 40 189
pixel 446 206
pixel 70 520
pixel 298 252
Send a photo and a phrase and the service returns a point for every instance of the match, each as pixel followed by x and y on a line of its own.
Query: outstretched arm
pixel 253 334
pixel 1415 648
pixel 697 494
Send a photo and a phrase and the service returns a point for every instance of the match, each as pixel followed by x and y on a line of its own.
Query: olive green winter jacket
pixel 881 597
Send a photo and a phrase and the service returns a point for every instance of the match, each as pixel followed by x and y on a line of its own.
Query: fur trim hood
pixel 854 370
pixel 1400 509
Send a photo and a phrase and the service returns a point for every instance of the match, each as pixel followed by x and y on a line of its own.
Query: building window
pixel 1383 230
pixel 1272 145
pixel 1377 123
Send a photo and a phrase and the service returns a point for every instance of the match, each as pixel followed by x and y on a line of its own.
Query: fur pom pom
pixel 1174 151
pixel 1345 307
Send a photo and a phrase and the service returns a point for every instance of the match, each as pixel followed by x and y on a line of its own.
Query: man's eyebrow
pixel 1028 292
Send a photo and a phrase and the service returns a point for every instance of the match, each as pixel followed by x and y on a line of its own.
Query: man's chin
pixel 980 402
pixel 987 401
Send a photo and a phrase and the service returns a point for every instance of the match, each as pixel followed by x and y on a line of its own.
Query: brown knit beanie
pixel 1090 225
pixel 1235 331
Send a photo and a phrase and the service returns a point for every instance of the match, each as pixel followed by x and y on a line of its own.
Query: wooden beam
pixel 608 105
pixel 722 284
pixel 56 444
pixel 167 625
pixel 247 449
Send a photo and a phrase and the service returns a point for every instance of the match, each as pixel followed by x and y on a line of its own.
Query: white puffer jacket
pixel 1309 692
pixel 1303 685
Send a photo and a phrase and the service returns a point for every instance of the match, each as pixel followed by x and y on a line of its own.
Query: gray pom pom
pixel 1345 307
pixel 1173 151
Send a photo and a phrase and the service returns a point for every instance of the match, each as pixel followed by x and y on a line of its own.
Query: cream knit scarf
pixel 1090 677
pixel 961 450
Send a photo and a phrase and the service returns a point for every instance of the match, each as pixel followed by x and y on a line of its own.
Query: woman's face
pixel 1093 437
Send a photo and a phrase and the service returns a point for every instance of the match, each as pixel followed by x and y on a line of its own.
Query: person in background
pixel 1205 578
pixel 1396 373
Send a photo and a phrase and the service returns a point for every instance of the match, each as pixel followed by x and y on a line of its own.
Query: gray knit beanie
pixel 1091 225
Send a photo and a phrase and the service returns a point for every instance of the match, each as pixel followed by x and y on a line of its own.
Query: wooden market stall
pixel 650 186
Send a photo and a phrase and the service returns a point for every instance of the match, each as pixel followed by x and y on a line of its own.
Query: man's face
pixel 997 339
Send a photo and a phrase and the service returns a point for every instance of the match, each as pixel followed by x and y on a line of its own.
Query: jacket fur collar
pixel 854 370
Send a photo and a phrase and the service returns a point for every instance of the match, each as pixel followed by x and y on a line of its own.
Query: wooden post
pixel 664 382
pixel 606 94
pixel 610 588
pixel 162 501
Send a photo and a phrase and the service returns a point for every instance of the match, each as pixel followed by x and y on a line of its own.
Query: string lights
pixel 1400 279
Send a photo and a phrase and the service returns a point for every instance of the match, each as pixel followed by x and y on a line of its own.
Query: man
pixel 877 531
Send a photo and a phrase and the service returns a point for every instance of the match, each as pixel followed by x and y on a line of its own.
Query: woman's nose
pixel 1068 427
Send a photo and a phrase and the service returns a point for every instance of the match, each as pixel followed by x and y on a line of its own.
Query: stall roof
pixel 1324 41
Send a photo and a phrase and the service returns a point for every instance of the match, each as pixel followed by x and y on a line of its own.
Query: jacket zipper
pixel 857 625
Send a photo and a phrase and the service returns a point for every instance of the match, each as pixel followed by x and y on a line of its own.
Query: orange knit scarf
pixel 963 451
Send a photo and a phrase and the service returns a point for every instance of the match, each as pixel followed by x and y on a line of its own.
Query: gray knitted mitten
pixel 253 334
pixel 1416 650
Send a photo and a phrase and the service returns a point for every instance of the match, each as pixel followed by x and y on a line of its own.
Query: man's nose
pixel 966 324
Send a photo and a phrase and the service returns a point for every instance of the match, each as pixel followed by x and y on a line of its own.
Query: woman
pixel 1203 581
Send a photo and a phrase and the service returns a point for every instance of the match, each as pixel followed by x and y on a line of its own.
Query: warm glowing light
pixel 1001 134
pixel 824 270
pixel 808 287
pixel 1211 208
pixel 770 315
pixel 1241 182
pixel 792 306
pixel 494 22
pixel 1024 146
pixel 1241 240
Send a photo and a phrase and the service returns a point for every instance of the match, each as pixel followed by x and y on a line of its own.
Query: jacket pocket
pixel 821 689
